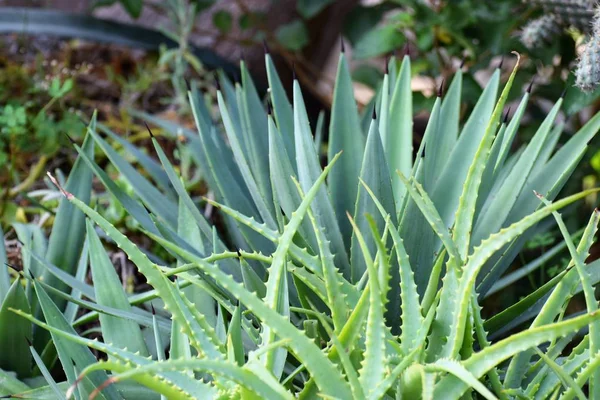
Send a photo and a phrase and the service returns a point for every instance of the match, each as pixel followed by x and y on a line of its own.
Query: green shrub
pixel 362 280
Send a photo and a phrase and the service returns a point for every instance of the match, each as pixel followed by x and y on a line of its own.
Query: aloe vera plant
pixel 360 280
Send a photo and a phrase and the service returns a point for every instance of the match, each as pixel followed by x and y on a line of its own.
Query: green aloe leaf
pixel 509 135
pixel 450 114
pixel 446 193
pixel 202 335
pixel 285 191
pixel 35 245
pixel 458 370
pixel 374 172
pixel 452 388
pixel 148 163
pixel 326 375
pixel 411 313
pixel 136 210
pixel 553 307
pixel 73 357
pixel 123 359
pixel 235 349
pixel 481 254
pixel 497 208
pixel 60 395
pixel 284 115
pixel 398 139
pixel 344 135
pixel 256 380
pixel 241 157
pixel 373 368
pixel 157 202
pixel 277 292
pixel 254 121
pixel 432 142
pixel 309 169
pixel 80 275
pixel 16 332
pixel 4 277
pixel 68 231
pixel 109 292
pixel 465 214
pixel 336 300
pixel 500 319
pixel 9 384
pixel 567 380
pixel 588 289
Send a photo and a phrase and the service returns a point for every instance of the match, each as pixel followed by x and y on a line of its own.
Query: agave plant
pixel 360 280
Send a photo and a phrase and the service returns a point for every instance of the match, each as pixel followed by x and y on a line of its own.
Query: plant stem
pixel 34 173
